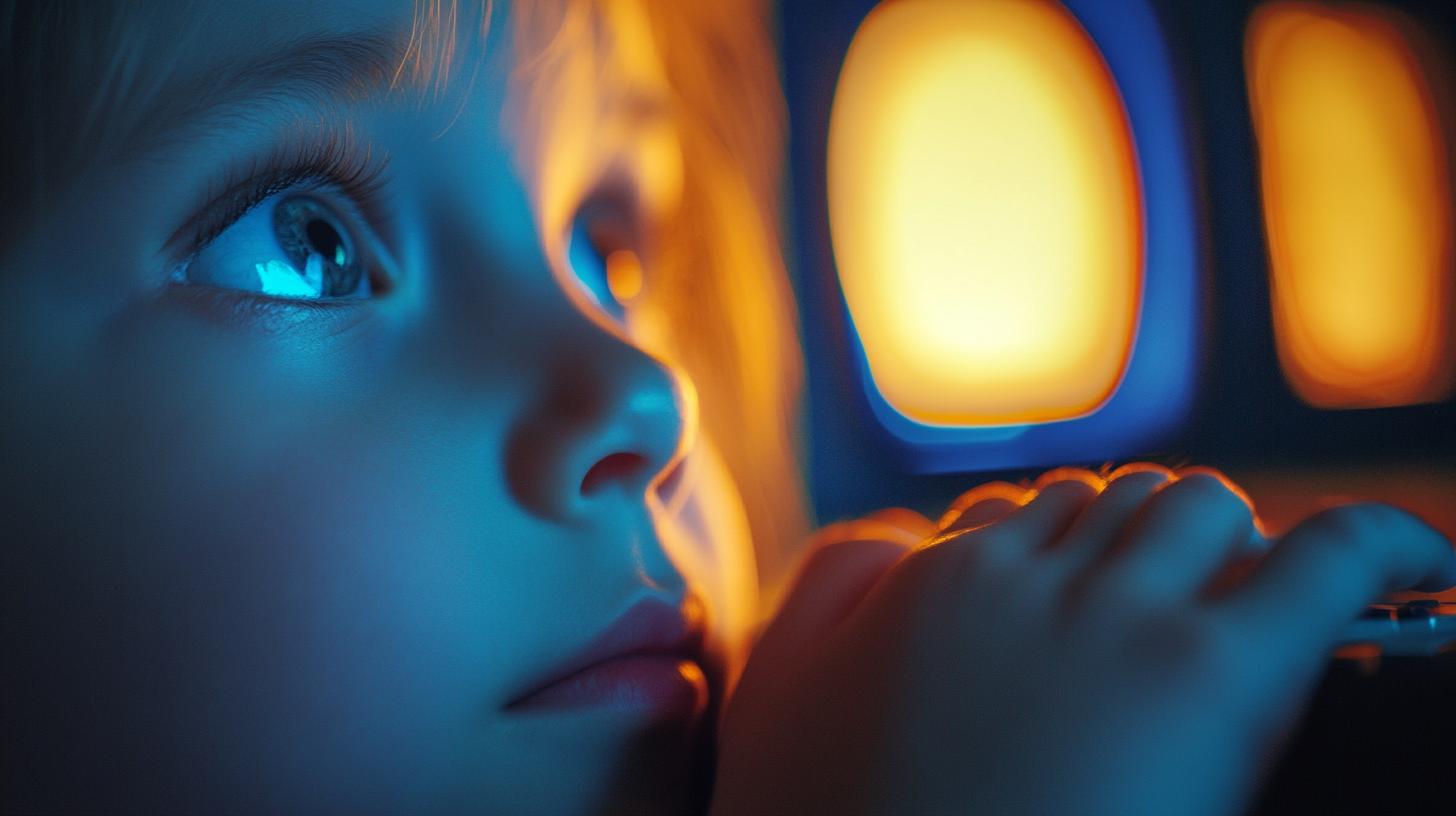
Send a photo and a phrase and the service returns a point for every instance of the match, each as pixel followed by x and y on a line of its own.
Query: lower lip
pixel 665 685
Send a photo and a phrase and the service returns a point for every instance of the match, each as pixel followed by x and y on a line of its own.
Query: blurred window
pixel 986 212
pixel 1357 204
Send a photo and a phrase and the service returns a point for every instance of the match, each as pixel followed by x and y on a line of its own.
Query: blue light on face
pixel 1153 399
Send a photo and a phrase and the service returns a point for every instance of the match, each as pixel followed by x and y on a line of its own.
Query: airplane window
pixel 986 212
pixel 1357 205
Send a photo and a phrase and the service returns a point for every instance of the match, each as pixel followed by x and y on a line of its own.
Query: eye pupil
pixel 319 249
pixel 326 241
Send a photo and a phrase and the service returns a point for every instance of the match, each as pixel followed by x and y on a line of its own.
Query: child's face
pixel 292 552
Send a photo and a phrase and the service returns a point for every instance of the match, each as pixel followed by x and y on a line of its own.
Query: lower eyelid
pixel 264 314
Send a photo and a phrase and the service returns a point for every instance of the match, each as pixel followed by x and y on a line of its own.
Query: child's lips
pixel 650 658
pixel 666 685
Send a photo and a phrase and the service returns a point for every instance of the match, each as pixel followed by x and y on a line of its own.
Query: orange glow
pixel 624 275
pixel 998 494
pixel 986 211
pixel 1357 205
pixel 618 104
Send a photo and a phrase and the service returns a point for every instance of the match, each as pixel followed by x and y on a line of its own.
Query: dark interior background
pixel 1377 735
pixel 1244 419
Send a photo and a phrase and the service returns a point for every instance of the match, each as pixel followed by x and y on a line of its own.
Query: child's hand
pixel 1095 651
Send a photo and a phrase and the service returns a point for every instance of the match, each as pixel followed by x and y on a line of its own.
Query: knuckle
pixel 1076 475
pixel 1209 492
pixel 1202 470
pixel 1202 487
pixel 1142 471
pixel 990 491
pixel 1215 481
pixel 1069 491
pixel 1142 480
pixel 903 518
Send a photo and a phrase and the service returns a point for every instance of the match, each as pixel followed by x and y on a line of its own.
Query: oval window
pixel 1357 205
pixel 985 211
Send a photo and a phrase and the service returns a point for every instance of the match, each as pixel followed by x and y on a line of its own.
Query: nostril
pixel 612 467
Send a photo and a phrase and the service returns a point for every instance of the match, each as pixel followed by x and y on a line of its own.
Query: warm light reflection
pixel 1357 204
pixel 616 110
pixel 986 211
pixel 624 275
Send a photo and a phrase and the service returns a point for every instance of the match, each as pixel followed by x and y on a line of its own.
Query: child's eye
pixel 293 244
pixel 608 270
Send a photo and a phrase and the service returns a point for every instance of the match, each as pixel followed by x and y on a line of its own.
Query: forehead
pixel 102 83
pixel 574 88
pixel 218 29
pixel 359 45
pixel 587 69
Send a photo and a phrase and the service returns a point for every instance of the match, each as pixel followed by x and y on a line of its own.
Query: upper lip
pixel 649 627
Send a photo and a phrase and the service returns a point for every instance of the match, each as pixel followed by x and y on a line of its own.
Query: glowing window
pixel 1357 205
pixel 985 211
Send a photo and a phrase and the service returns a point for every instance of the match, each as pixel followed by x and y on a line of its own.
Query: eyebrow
pixel 321 70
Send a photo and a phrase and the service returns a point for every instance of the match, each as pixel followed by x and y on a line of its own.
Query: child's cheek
pixel 257 556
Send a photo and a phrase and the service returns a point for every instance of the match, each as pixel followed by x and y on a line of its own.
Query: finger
pixel 906 519
pixel 1052 510
pixel 984 504
pixel 845 561
pixel 1319 576
pixel 1070 474
pixel 1095 530
pixel 1180 538
pixel 872 527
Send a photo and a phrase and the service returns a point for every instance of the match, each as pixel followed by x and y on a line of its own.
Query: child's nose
pixel 609 421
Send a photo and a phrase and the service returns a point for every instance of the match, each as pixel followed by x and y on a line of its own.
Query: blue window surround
pixel 1153 400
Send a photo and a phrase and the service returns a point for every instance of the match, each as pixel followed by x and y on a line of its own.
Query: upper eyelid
pixel 285 167
pixel 244 206
pixel 221 212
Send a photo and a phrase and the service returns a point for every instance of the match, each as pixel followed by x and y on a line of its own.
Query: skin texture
pixel 1127 646
pixel 298 559
pixel 272 558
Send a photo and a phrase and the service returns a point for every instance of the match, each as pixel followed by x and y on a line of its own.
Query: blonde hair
pixel 715 270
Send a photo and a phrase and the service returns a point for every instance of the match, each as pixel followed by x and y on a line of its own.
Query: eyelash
pixel 334 159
